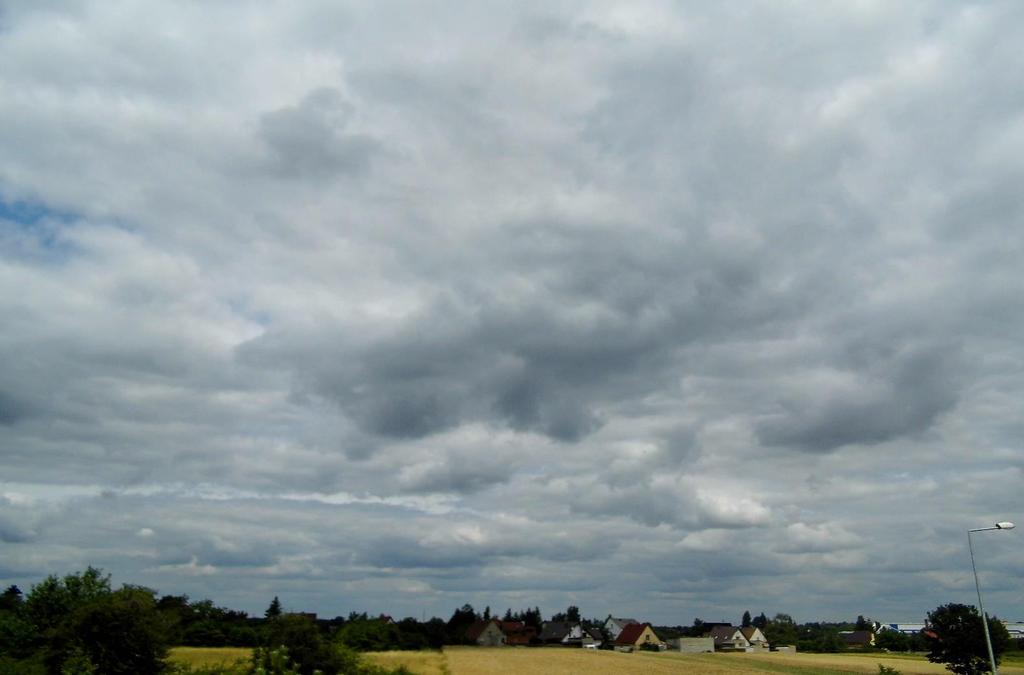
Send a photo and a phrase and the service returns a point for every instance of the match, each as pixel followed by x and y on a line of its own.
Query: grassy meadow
pixel 200 657
pixel 504 661
pixel 552 661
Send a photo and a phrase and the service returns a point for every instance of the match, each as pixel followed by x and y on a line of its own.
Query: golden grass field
pixel 504 661
pixel 198 657
pixel 553 661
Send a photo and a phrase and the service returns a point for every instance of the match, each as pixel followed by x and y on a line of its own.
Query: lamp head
pixel 1005 526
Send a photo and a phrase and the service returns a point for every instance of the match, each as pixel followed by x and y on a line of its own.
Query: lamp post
pixel 981 608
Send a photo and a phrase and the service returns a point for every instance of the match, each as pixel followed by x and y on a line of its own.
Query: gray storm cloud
pixel 390 307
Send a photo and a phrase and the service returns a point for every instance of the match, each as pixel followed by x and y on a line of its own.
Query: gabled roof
pixel 512 626
pixel 750 631
pixel 631 633
pixel 477 629
pixel 555 630
pixel 620 621
pixel 724 633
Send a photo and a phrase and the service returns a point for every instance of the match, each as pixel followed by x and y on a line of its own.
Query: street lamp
pixel 984 619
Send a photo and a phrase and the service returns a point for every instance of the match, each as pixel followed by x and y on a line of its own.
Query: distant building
pixel 486 633
pixel 857 639
pixel 636 635
pixel 691 645
pixel 613 625
pixel 729 639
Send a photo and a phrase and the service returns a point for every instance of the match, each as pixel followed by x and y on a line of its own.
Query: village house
pixel 756 639
pixel 729 639
pixel 636 635
pixel 569 634
pixel 486 633
pixel 857 639
pixel 613 626
pixel 517 633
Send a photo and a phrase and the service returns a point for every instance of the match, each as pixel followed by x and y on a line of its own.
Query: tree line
pixel 80 625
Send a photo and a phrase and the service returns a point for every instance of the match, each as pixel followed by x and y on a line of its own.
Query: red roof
pixel 631 633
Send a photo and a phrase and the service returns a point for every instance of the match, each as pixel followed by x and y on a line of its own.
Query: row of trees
pixel 80 625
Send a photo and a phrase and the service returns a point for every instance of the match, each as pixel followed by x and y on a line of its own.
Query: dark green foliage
pixel 760 621
pixel 572 615
pixel 120 633
pixel 826 641
pixel 369 636
pixel 862 624
pixel 886 670
pixel 959 640
pixel 462 619
pixel 781 630
pixel 746 621
pixel 202 624
pixel 307 647
pixel 11 600
pixel 50 601
pixel 17 635
pixel 274 610
pixel 78 663
pixel 893 641
pixel 29 666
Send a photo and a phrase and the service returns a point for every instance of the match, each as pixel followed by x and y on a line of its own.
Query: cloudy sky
pixel 665 309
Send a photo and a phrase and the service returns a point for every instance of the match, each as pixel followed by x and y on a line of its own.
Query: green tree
pixel 959 640
pixel 307 648
pixel 53 599
pixel 746 621
pixel 370 635
pixel 782 630
pixel 11 600
pixel 893 641
pixel 760 621
pixel 119 633
pixel 274 610
pixel 572 614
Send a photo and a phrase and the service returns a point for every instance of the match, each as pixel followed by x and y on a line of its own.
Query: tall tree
pixel 781 630
pixel 572 614
pixel 274 610
pixel 745 623
pixel 760 621
pixel 11 599
pixel 959 640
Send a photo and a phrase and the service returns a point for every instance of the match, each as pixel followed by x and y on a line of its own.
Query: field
pixel 480 661
pixel 198 657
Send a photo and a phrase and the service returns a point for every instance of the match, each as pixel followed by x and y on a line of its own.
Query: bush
pixel 886 670
pixel 120 633
pixel 307 648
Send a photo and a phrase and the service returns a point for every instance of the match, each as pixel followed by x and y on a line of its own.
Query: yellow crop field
pixel 421 663
pixel 199 657
pixel 499 661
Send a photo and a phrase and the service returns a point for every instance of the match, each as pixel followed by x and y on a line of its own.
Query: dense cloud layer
pixel 658 310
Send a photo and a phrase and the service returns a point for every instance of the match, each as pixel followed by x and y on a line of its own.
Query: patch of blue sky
pixel 32 230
